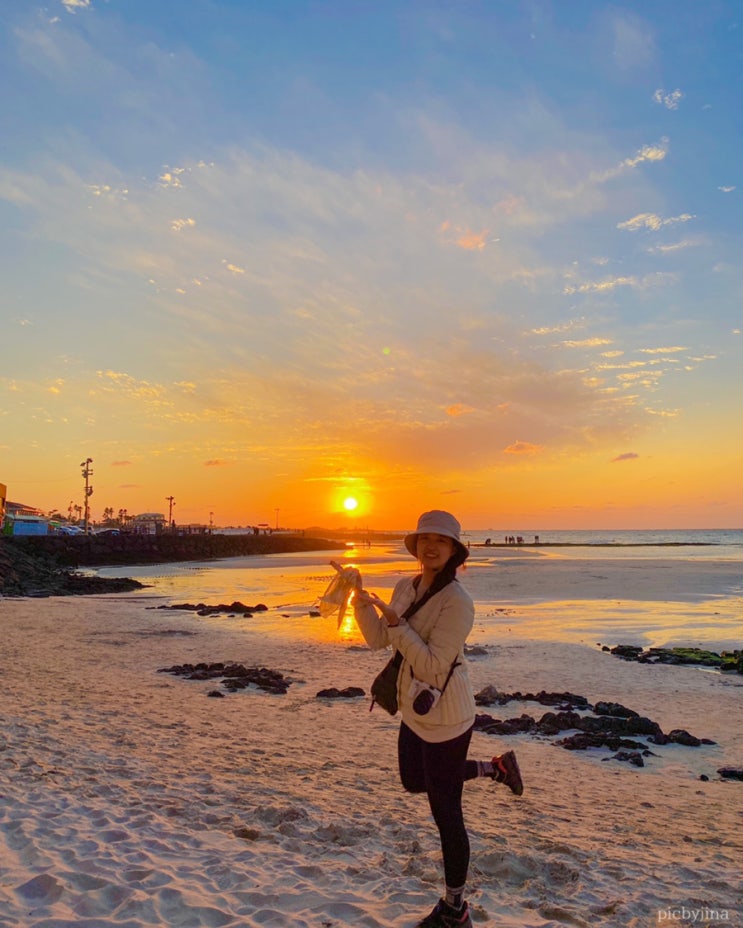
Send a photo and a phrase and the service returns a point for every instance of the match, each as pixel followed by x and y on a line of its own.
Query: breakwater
pixel 73 551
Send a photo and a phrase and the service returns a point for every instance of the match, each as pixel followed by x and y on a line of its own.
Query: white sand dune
pixel 131 799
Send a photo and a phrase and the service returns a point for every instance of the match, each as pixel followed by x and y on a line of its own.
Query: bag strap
pixel 455 663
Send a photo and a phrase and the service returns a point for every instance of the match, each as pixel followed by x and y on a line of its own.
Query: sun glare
pixel 349 503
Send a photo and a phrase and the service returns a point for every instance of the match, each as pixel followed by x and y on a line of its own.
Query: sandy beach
pixel 130 798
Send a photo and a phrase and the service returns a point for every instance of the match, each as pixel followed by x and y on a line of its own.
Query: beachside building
pixel 23 520
pixel 3 494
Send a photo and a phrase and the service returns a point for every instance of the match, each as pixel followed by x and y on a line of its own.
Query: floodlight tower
pixel 171 500
pixel 87 474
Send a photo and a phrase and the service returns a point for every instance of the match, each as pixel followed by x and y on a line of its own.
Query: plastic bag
pixel 336 596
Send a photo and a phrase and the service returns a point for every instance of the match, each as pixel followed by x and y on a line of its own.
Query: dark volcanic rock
pixel 615 709
pixel 609 725
pixel 490 696
pixel 233 676
pixel 350 692
pixel 731 773
pixel 237 608
pixel 680 736
pixel 584 740
pixel 491 726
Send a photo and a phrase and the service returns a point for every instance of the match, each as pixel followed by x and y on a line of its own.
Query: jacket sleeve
pixel 374 631
pixel 431 659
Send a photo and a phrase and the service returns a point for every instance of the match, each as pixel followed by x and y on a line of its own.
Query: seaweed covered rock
pixel 726 661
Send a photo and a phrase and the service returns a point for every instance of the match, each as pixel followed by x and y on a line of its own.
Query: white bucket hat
pixel 437 522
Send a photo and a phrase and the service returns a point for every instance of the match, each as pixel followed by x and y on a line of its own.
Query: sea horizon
pixel 724 543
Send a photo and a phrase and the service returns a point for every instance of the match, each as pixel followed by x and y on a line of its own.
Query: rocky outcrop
pixel 233 676
pixel 603 725
pixel 235 608
pixel 28 572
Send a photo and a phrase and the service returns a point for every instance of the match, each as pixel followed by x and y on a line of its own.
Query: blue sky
pixel 260 254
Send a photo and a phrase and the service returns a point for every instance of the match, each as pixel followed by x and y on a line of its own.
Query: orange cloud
pixel 459 409
pixel 523 447
pixel 473 241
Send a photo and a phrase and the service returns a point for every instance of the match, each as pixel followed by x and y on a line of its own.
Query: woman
pixel 428 621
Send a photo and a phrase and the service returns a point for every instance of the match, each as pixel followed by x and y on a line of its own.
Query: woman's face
pixel 433 551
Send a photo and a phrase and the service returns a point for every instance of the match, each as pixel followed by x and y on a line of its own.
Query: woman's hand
pixel 388 614
pixel 350 574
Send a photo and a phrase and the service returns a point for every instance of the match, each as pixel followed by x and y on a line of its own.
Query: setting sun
pixel 349 503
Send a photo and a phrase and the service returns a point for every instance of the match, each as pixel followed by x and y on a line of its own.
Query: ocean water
pixel 648 588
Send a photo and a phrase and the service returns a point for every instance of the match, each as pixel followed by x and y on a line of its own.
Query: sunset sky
pixel 481 256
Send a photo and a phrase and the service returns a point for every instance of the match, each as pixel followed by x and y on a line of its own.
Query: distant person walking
pixel 427 621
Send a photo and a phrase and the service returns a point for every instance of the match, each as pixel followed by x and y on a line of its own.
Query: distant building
pixel 3 494
pixel 193 528
pixel 148 523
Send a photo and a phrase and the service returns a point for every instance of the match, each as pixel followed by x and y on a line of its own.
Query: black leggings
pixel 440 770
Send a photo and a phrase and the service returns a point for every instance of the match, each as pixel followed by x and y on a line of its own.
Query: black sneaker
pixel 444 916
pixel 506 770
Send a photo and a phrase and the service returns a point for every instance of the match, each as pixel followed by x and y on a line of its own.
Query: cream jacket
pixel 429 643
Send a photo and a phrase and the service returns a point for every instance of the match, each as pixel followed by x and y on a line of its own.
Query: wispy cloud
pixel 601 286
pixel 627 456
pixel 669 100
pixel 648 153
pixel 72 6
pixel 672 247
pixel 588 343
pixel 652 221
pixel 177 225
pixel 611 283
pixel 674 349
